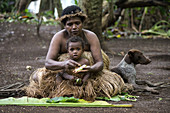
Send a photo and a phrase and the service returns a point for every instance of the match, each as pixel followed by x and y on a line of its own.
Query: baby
pixel 75 47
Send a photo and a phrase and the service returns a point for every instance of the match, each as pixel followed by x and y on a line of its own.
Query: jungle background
pixel 120 26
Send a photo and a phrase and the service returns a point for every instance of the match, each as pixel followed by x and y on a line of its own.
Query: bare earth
pixel 20 47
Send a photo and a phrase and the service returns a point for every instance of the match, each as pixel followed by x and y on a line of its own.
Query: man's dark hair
pixel 73 9
pixel 75 39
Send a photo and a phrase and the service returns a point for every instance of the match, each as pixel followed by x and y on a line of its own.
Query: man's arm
pixel 52 54
pixel 95 51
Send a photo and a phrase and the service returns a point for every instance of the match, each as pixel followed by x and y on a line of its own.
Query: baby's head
pixel 75 47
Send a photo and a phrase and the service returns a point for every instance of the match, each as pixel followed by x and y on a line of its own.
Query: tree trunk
pixel 58 5
pixel 141 3
pixel 44 5
pixel 110 16
pixel 21 5
pixel 93 9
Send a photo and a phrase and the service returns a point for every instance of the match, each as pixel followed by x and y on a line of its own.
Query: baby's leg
pixel 58 78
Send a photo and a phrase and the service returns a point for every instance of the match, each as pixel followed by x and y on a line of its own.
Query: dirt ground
pixel 20 47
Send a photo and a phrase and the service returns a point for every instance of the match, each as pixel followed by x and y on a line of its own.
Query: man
pixel 101 82
pixel 73 18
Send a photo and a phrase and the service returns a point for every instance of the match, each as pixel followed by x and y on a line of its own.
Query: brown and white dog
pixel 126 69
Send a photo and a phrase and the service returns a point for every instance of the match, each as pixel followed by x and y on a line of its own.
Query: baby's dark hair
pixel 75 39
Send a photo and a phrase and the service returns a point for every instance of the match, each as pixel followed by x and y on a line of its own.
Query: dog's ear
pixel 131 54
pixel 129 57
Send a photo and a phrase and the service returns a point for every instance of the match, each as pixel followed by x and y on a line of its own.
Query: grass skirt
pixel 104 83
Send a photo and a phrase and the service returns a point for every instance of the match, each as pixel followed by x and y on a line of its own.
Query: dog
pixel 126 69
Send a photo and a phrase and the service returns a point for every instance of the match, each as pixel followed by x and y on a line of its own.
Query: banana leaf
pixel 28 101
pixel 62 99
pixel 125 97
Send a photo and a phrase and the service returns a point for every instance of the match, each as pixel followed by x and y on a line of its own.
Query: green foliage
pixel 162 10
pixel 138 8
pixel 161 25
pixel 124 97
pixel 27 13
pixel 152 10
pixel 144 19
pixel 76 2
pixel 146 10
pixel 48 14
pixel 160 28
pixel 160 99
pixel 30 18
pixel 150 73
pixel 109 0
pixel 6 5
pixel 62 99
pixel 28 101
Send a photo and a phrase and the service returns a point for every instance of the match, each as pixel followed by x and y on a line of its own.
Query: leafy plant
pixel 28 101
pixel 160 28
pixel 76 2
pixel 112 32
pixel 62 99
pixel 160 99
pixel 30 18
pixel 125 97
pixel 6 5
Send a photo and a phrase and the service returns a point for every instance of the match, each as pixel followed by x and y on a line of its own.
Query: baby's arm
pixel 67 76
pixel 86 76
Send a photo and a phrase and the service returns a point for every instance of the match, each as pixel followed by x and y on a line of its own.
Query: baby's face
pixel 75 50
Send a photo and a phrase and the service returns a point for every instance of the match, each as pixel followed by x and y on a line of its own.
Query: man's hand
pixel 70 64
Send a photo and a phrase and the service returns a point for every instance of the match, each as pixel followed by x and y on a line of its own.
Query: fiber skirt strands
pixel 104 83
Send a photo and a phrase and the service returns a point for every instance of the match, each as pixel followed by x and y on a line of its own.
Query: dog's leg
pixel 146 82
pixel 144 89
pixel 131 78
pixel 152 90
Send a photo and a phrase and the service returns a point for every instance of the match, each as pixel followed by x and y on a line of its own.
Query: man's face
pixel 74 26
pixel 75 50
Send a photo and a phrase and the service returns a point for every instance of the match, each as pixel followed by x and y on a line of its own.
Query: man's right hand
pixel 71 64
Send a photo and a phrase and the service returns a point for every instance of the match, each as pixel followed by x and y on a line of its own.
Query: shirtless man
pixel 57 59
pixel 73 18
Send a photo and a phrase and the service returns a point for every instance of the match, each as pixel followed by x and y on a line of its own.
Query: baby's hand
pixel 83 68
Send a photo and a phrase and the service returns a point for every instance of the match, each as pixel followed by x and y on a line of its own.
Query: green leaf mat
pixel 28 101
